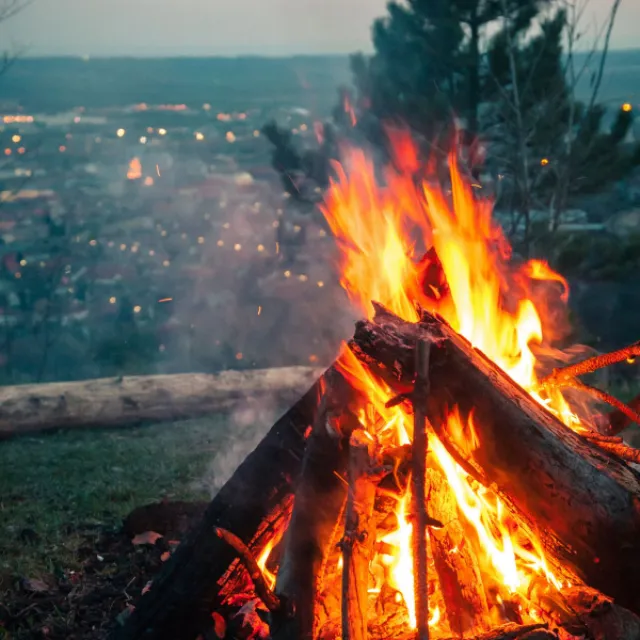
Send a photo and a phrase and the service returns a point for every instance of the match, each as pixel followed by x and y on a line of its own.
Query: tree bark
pixel 585 503
pixel 191 583
pixel 122 402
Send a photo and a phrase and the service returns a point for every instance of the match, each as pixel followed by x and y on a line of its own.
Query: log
pixel 189 586
pixel 122 402
pixel 584 502
pixel 455 562
pixel 315 525
pixel 359 537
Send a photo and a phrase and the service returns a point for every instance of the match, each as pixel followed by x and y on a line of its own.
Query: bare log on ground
pixel 359 536
pixel 584 502
pixel 188 588
pixel 121 402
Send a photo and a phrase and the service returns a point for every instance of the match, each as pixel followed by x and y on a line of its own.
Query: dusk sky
pixel 223 27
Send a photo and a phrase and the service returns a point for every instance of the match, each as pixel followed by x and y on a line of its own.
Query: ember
pixel 447 487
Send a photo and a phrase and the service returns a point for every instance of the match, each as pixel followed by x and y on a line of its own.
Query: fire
pixel 469 278
pixel 262 562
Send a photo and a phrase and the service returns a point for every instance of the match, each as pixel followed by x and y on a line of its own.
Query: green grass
pixel 57 484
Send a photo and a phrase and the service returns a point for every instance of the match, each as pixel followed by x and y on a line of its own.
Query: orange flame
pixel 468 278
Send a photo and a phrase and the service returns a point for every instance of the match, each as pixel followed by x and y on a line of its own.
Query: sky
pixel 223 27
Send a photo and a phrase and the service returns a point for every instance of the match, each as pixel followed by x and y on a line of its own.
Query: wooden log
pixel 316 520
pixel 189 586
pixel 585 503
pixel 455 562
pixel 121 402
pixel 359 537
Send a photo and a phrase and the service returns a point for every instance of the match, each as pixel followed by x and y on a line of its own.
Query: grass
pixel 54 486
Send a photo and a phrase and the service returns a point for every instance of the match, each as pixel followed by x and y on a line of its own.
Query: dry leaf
pixel 148 537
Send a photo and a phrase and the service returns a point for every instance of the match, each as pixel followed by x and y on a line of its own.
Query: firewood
pixel 189 586
pixel 319 500
pixel 418 476
pixel 359 536
pixel 580 498
pixel 133 400
pixel 263 591
pixel 455 561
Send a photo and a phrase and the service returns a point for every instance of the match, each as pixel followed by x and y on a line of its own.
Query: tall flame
pixel 466 276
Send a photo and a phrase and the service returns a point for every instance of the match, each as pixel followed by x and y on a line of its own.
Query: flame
pixel 468 277
pixel 135 169
pixel 262 562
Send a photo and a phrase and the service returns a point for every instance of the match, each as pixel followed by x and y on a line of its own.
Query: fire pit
pixel 437 482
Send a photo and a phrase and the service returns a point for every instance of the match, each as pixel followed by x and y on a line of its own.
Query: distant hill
pixel 55 84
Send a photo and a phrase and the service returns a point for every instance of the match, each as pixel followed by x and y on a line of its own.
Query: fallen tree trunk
pixel 120 402
pixel 572 490
pixel 192 582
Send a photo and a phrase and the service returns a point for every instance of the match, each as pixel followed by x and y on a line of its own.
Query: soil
pixel 87 603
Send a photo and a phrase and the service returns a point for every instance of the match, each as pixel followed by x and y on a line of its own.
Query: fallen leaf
pixel 148 537
pixel 34 585
pixel 219 625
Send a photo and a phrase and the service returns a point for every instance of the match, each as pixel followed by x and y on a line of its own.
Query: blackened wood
pixel 572 490
pixel 183 595
pixel 359 536
pixel 319 501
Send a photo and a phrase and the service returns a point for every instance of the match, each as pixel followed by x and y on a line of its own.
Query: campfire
pixel 450 476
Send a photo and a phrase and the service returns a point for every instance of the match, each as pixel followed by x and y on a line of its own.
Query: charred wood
pixel 570 488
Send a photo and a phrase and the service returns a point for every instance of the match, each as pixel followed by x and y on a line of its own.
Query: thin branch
pixel 270 599
pixel 621 450
pixel 564 376
pixel 418 490
pixel 603 396
pixel 599 437
pixel 617 420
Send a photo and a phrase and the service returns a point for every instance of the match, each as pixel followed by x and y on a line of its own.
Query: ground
pixel 67 566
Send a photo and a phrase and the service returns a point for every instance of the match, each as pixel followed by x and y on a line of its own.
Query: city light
pixel 237 247
pixel 137 309
pixel 112 300
pixel 16 138
pixel 200 240
pixel 143 139
pixel 162 132
pixel 21 150
pixel 220 243
pixel 231 137
pixel 320 283
pixel 260 247
pixel 148 181
pixel 199 135
pixel 120 133
pixel 544 162
pixel 627 107
pixel 62 148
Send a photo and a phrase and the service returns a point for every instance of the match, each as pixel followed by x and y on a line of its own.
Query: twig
pixel 563 377
pixel 618 420
pixel 603 396
pixel 418 479
pixel 270 599
pixel 357 543
pixel 599 437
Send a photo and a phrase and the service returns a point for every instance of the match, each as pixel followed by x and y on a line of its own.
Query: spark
pixel 259 309
pixel 165 300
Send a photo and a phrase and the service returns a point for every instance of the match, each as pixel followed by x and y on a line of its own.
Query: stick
pixel 562 377
pixel 418 461
pixel 618 421
pixel 621 450
pixel 358 540
pixel 270 599
pixel 603 396
pixel 599 437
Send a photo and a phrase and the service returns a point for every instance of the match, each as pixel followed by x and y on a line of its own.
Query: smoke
pixel 246 427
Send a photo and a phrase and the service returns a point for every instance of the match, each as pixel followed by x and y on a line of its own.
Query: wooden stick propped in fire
pixel 263 591
pixel 418 479
pixel 359 536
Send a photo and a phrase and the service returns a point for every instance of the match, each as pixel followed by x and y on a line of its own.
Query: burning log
pixel 572 490
pixel 455 561
pixel 359 537
pixel 319 501
pixel 190 585
pixel 121 402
